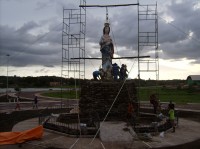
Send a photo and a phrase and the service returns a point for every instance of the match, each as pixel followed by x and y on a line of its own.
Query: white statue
pixel 107 49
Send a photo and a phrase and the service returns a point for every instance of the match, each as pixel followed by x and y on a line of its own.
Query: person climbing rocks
pixel 96 75
pixel 154 101
pixel 99 74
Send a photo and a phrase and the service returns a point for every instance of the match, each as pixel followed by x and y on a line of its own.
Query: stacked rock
pixel 97 97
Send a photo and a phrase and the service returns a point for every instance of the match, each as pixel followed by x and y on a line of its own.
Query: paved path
pixel 187 131
pixel 43 102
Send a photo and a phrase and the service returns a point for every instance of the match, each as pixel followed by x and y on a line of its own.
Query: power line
pixel 176 27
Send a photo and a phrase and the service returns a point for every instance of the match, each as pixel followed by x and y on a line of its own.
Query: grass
pixel 182 96
pixel 65 94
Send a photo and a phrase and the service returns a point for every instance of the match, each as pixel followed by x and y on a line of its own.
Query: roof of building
pixel 194 77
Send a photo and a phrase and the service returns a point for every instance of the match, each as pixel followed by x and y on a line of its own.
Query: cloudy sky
pixel 31 33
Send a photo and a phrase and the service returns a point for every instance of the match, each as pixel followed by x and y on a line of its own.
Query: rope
pixel 111 105
pixel 74 143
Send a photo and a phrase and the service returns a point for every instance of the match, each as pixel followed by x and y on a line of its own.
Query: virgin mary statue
pixel 106 48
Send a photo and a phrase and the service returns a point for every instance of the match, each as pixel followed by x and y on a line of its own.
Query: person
pixel 123 71
pixel 170 105
pixel 130 110
pixel 17 103
pixel 154 102
pixel 102 74
pixel 106 48
pixel 96 75
pixel 115 71
pixel 35 103
pixel 172 117
pixel 131 113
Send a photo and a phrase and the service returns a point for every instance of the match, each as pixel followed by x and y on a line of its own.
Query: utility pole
pixel 7 76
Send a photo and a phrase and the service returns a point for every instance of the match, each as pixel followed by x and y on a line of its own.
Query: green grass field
pixel 176 95
pixel 65 94
pixel 165 95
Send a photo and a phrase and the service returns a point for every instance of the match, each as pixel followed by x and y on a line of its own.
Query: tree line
pixel 44 81
pixel 40 81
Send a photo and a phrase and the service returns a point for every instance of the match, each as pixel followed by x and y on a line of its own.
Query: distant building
pixel 193 80
pixel 54 83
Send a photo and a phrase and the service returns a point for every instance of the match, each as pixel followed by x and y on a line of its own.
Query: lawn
pixel 65 94
pixel 165 95
pixel 176 95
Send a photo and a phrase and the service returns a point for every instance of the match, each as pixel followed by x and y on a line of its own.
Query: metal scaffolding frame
pixel 148 42
pixel 73 43
pixel 148 38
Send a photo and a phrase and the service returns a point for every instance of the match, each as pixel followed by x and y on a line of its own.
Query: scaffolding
pixel 148 38
pixel 73 43
pixel 148 43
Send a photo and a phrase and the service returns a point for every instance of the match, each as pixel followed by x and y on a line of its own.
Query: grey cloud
pixel 27 26
pixel 49 66
pixel 174 38
pixel 42 70
pixel 27 49
pixel 45 49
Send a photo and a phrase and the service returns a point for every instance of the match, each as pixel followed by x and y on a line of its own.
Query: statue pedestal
pixel 97 97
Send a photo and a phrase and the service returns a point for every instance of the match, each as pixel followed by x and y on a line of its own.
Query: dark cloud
pixel 27 26
pixel 174 38
pixel 27 49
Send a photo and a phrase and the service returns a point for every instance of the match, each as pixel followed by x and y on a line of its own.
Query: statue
pixel 107 49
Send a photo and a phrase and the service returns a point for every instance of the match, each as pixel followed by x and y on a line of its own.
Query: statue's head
pixel 106 29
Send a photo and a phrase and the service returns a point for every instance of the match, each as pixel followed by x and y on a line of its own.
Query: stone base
pixel 97 97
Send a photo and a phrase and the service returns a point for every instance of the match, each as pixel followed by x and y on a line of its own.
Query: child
pixel 17 104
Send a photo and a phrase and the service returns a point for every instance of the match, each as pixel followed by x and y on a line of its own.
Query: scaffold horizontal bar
pixel 119 5
pixel 98 58
pixel 148 70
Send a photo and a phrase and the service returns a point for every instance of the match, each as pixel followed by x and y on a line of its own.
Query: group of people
pixel 117 73
pixel 35 103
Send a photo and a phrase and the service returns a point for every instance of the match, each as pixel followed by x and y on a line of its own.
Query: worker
pixel 115 71
pixel 154 101
pixel 131 113
pixel 96 75
pixel 172 116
